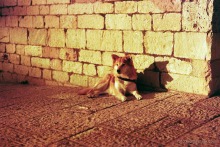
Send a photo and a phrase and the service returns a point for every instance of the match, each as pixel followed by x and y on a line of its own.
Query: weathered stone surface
pixel 10 48
pixel 58 1
pixel 37 36
pixel 11 21
pixel 89 69
pixel 33 10
pixel 191 45
pixel 56 38
pixel 51 21
pixel 18 35
pixel 186 83
pixel 25 60
pixel 56 64
pixel 76 38
pixel 142 62
pixel 103 70
pixel 75 67
pixel 196 17
pixel 67 21
pixel 14 58
pixel 100 7
pixel 170 21
pixel 118 21
pixel 90 56
pixel 40 62
pixel 141 22
pixel 105 40
pixel 58 9
pixel 21 69
pixel 67 54
pixel 158 43
pixel 91 21
pixel 26 21
pixel 4 34
pixel 60 76
pixel 38 22
pixel 33 51
pixel 133 41
pixel 80 8
pixel 125 7
pixel 35 72
pixel 173 65
pixel 7 67
pixel 79 80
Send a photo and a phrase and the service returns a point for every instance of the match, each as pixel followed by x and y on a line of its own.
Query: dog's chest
pixel 122 86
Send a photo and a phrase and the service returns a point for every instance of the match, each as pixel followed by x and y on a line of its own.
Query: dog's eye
pixel 123 64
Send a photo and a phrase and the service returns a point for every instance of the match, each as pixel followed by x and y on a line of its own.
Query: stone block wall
pixel 174 43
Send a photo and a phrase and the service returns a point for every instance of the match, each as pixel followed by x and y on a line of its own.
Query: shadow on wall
pixel 154 80
pixel 215 50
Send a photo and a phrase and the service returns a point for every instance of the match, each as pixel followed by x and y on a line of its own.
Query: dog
pixel 119 82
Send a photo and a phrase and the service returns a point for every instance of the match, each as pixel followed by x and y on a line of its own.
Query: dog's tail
pixel 84 91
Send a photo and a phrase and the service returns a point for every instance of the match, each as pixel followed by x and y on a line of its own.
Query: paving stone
pixel 106 137
pixel 194 140
pixel 57 116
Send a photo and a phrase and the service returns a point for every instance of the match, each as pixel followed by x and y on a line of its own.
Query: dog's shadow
pixel 153 79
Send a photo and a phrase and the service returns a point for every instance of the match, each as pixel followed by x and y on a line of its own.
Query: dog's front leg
pixel 136 94
pixel 120 96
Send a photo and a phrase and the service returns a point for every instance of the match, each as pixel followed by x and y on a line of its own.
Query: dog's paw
pixel 138 97
pixel 123 98
pixel 91 95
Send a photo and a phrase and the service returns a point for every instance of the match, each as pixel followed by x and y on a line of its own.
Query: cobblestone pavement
pixel 57 116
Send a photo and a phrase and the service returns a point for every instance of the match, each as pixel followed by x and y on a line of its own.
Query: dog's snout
pixel 118 71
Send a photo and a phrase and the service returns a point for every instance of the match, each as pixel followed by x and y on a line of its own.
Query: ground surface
pixel 57 116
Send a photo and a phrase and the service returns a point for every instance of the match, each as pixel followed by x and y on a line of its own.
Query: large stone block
pixel 58 9
pixel 143 62
pixel 159 43
pixel 38 22
pixel 191 45
pixel 141 22
pixel 24 2
pixel 4 35
pixel 8 67
pixel 52 22
pixel 91 21
pixel 37 36
pixel 33 10
pixel 58 1
pixel 56 38
pixel 156 6
pixel 51 52
pixel 126 7
pixel 10 48
pixel 33 51
pixel 167 22
pixel 34 72
pixel 76 38
pixel 14 58
pixel 196 17
pixel 173 65
pixel 105 40
pixel 201 68
pixel 70 66
pixel 18 35
pixel 56 64
pixel 60 76
pixel 47 74
pixel 40 62
pixel 90 56
pixel 133 41
pixel 79 80
pixel 39 2
pixel 21 69
pixel 89 69
pixel 11 21
pixel 100 7
pixel 26 21
pixel 86 8
pixel 44 10
pixel 118 21
pixel 67 21
pixel 25 60
pixel 68 54
pixel 185 83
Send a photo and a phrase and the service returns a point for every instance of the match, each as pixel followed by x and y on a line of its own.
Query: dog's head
pixel 123 66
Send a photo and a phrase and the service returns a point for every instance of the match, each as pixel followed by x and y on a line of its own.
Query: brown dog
pixel 122 80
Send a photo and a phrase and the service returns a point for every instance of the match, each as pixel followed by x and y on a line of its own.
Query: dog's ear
pixel 128 58
pixel 114 57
